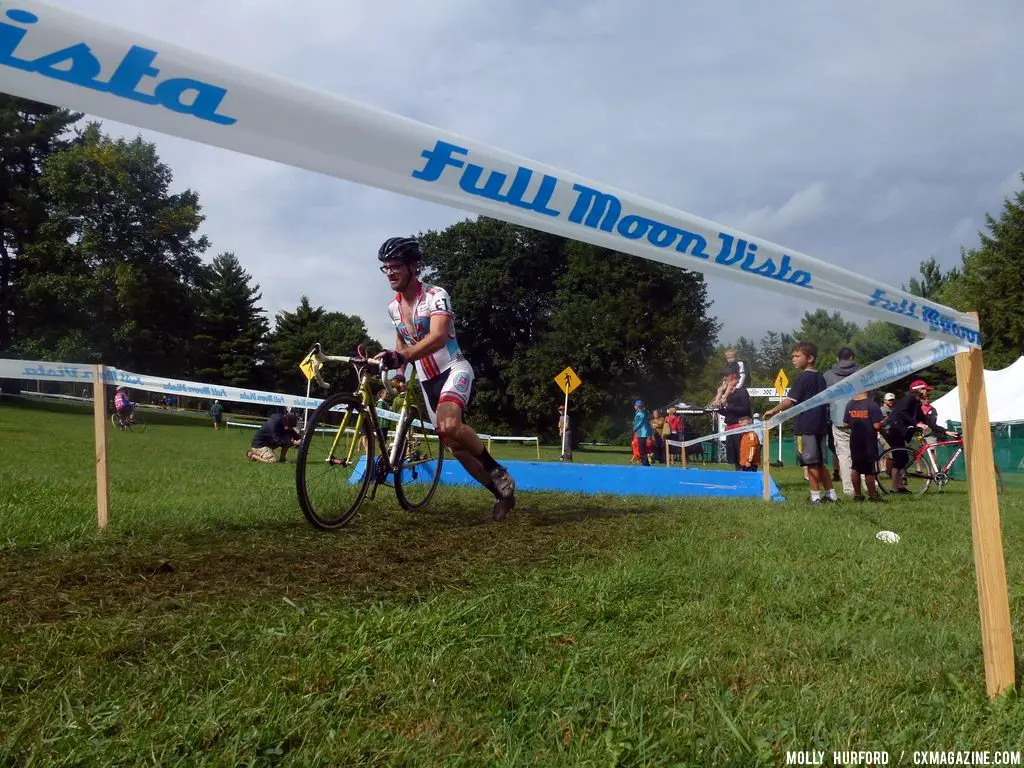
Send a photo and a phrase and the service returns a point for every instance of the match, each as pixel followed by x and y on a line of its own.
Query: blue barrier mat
pixel 624 480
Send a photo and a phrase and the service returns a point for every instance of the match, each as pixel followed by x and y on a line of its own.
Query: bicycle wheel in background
pixel 115 421
pixel 917 475
pixel 418 469
pixel 332 471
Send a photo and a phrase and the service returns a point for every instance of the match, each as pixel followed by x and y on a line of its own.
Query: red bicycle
pixel 921 464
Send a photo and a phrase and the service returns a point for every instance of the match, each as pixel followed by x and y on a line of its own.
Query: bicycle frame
pixel 929 448
pixel 388 457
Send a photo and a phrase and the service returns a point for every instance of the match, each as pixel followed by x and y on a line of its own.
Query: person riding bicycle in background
pixel 906 416
pixel 123 405
pixel 425 335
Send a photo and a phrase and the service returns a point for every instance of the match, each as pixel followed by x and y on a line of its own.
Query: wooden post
pixel 990 567
pixel 766 460
pixel 99 412
pixel 537 440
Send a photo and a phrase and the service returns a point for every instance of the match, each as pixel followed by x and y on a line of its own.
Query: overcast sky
pixel 871 134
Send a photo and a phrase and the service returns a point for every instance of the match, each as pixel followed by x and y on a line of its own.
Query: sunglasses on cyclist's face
pixel 391 268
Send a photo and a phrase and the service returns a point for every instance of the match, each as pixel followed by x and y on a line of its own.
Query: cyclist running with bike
pixel 425 328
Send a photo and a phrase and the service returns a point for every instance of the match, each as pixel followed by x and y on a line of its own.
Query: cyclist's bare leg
pixel 462 440
pixel 469 449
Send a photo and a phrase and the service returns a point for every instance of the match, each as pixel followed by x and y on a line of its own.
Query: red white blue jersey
pixel 121 401
pixel 431 301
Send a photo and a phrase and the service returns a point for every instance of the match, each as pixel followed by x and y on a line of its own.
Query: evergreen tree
pixel 233 327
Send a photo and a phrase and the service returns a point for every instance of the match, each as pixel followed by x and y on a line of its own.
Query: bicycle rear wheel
pixel 418 469
pixel 335 461
pixel 917 475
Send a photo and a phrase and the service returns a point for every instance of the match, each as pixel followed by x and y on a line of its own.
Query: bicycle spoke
pixel 334 461
pixel 419 466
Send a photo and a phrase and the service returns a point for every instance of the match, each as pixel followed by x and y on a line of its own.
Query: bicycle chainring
pixel 380 471
pixel 941 479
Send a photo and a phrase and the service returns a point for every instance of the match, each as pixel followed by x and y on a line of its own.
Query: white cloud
pixel 852 133
pixel 800 209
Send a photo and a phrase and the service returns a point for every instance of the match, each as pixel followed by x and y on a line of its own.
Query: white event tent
pixel 1005 391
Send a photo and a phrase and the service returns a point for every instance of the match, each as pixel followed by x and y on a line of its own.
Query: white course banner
pixel 42 370
pixel 59 57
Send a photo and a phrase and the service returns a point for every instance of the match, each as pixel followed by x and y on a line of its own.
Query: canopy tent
pixel 1005 402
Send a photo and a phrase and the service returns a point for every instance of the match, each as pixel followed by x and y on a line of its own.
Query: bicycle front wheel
pixel 335 462
pixel 916 475
pixel 418 469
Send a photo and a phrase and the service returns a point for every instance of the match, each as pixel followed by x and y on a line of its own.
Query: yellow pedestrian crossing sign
pixel 781 383
pixel 309 366
pixel 567 380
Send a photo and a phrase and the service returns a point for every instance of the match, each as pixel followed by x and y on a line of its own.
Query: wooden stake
pixel 766 460
pixel 990 568
pixel 99 411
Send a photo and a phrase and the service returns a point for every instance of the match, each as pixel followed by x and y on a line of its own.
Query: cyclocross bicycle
pixel 921 466
pixel 338 461
pixel 134 424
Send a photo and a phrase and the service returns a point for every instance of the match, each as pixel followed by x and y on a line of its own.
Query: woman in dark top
pixel 737 407
pixel 906 415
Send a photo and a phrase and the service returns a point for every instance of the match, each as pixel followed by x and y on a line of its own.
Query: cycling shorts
pixel 454 385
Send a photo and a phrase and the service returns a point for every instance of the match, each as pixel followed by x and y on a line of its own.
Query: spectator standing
pixel 674 425
pixel 657 427
pixel 887 403
pixel 811 426
pixel 565 433
pixel 737 409
pixel 845 366
pixel 906 415
pixel 216 414
pixel 642 430
pixel 863 417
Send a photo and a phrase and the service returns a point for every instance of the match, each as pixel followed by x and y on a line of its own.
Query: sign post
pixel 567 381
pixel 781 385
pixel 308 366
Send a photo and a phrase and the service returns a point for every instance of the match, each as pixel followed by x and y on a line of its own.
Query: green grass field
pixel 211 625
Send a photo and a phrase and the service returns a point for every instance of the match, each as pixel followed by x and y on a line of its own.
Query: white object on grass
pixel 888 537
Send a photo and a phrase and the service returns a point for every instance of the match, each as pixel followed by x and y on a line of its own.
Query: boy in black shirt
pixel 810 427
pixel 864 418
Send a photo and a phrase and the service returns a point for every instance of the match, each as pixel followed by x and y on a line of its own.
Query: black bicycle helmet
pixel 403 249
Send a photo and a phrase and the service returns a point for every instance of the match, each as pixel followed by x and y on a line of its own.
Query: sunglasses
pixel 387 269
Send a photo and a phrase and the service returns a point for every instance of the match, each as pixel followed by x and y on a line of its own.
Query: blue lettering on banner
pixel 204 390
pixel 600 210
pixel 933 318
pixel 77 65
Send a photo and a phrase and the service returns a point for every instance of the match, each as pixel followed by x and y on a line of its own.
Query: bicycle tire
pixel 914 474
pixel 325 515
pixel 116 422
pixel 411 467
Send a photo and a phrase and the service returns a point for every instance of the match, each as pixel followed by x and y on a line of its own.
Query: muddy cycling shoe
pixel 505 486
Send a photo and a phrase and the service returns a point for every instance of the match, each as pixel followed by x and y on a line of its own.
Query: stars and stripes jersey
pixel 432 300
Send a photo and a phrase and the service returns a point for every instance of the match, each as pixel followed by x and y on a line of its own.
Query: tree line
pixel 99 262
